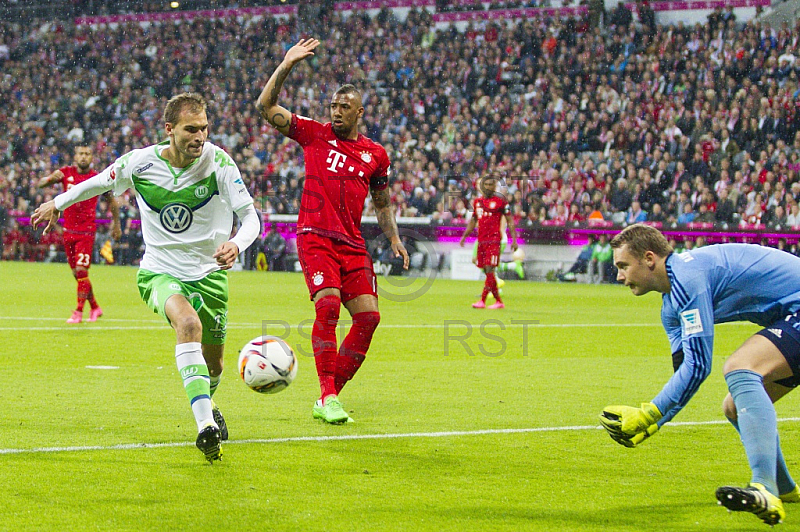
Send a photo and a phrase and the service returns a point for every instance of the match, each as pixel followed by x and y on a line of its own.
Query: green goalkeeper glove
pixel 628 425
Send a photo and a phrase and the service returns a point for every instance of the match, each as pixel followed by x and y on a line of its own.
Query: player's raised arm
pixel 267 104
pixel 383 209
pixel 51 179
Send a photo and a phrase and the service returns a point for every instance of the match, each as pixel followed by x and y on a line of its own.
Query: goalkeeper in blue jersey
pixel 716 284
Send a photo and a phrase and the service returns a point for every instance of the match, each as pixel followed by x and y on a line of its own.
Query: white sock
pixel 194 372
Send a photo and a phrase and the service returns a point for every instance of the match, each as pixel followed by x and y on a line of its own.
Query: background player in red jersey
pixel 341 167
pixel 488 211
pixel 80 228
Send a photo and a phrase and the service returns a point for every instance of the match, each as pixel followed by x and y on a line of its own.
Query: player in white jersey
pixel 187 190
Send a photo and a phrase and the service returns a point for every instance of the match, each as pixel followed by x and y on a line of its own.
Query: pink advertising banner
pixel 359 6
pixel 465 2
pixel 680 5
pixel 510 14
pixel 188 15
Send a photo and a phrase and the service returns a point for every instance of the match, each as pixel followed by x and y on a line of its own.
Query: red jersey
pixel 80 218
pixel 339 174
pixel 489 212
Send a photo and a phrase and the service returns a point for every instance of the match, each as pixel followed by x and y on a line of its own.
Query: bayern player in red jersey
pixel 487 213
pixel 80 228
pixel 341 167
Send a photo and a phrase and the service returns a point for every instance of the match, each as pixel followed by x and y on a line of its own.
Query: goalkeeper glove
pixel 628 425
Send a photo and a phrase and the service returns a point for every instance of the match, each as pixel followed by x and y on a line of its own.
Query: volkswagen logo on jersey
pixel 175 217
pixel 201 192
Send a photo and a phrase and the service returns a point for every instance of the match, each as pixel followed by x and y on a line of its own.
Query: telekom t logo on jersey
pixel 336 160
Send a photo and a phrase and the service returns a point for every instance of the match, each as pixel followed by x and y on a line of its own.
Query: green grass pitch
pixel 486 430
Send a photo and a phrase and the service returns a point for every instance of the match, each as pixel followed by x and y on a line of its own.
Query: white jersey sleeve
pixel 88 189
pixel 231 185
pixel 118 176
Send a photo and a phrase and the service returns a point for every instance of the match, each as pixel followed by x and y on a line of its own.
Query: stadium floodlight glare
pixel 174 5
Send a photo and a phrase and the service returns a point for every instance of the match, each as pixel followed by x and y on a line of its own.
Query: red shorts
pixel 488 254
pixel 79 249
pixel 331 263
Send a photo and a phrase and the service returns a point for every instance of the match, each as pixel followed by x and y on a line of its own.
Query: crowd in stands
pixel 610 121
pixel 595 259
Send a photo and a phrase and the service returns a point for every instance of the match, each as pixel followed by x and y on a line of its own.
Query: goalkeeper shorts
pixel 785 334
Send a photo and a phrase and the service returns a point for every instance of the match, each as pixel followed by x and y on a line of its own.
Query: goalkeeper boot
pixel 77 317
pixel 754 499
pixel 330 411
pixel 208 441
pixel 791 496
pixel 220 421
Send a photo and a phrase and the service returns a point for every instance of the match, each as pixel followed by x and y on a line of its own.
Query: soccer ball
pixel 518 255
pixel 267 364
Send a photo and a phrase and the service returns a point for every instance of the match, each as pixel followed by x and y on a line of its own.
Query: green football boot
pixel 331 411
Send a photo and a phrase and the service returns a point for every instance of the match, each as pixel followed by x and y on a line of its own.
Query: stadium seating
pixel 551 104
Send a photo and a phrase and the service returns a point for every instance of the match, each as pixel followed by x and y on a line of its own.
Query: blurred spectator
pixel 621 197
pixel 636 214
pixel 131 244
pixel 603 261
pixel 793 218
pixel 275 249
pixel 704 215
pixel 687 216
pixel 657 215
pixel 725 207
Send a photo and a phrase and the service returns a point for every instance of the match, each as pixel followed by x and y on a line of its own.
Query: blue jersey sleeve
pixel 690 327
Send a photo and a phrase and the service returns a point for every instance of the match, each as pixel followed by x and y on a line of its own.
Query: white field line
pixel 345 437
pixel 454 324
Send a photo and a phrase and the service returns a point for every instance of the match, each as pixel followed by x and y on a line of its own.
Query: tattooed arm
pixel 267 103
pixel 387 223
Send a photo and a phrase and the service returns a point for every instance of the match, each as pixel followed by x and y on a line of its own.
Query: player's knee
pixel 328 310
pixel 735 362
pixel 728 408
pixel 188 326
pixel 367 320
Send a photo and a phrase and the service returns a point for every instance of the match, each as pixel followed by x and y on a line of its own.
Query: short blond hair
pixel 186 101
pixel 640 239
